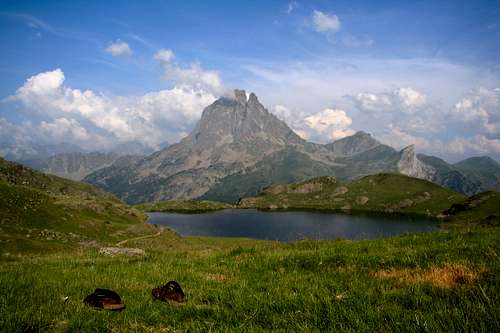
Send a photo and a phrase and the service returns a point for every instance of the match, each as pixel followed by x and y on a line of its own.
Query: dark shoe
pixel 104 299
pixel 172 291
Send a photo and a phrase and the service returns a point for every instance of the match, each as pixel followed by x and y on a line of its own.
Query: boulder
pixel 126 251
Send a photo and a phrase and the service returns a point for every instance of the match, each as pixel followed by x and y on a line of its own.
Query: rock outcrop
pixel 410 165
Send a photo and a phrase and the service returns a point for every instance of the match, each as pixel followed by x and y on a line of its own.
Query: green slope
pixel 483 170
pixel 384 193
pixel 450 177
pixel 482 208
pixel 39 211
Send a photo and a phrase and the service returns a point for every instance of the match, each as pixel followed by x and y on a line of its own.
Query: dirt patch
pixel 307 188
pixel 362 200
pixel 444 277
pixel 277 189
pixel 340 191
pixel 216 277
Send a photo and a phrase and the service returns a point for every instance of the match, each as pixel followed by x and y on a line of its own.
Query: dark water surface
pixel 287 226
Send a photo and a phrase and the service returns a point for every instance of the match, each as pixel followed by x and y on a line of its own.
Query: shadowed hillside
pixel 45 211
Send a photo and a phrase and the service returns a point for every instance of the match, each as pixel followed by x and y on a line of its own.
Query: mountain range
pixel 238 148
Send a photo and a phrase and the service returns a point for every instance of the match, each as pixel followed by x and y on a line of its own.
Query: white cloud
pixel 164 55
pixel 474 145
pixel 329 124
pixel 406 100
pixel 43 84
pixel 480 111
pixel 324 126
pixel 63 129
pixel 95 121
pixel 192 75
pixel 399 138
pixel 118 49
pixel 325 23
pixel 283 113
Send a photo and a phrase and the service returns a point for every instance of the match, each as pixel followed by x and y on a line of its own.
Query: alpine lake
pixel 291 225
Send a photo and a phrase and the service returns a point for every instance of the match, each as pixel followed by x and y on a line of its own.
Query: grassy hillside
pixel 384 193
pixel 483 209
pixel 39 211
pixel 483 169
pixel 183 206
pixel 450 177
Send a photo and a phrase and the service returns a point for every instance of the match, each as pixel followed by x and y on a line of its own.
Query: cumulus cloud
pixel 164 55
pixel 119 49
pixel 399 138
pixel 480 111
pixel 324 126
pixel 95 121
pixel 406 100
pixel 325 23
pixel 474 145
pixel 63 128
pixel 330 124
pixel 42 84
pixel 193 75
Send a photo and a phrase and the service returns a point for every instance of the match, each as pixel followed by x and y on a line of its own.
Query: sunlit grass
pixel 241 285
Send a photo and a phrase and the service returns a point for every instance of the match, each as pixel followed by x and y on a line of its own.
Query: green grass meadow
pixel 247 285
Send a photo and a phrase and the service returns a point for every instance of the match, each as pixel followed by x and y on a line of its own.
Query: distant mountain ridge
pixel 77 165
pixel 238 147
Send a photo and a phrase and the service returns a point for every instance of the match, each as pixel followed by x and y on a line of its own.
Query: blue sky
pixel 422 72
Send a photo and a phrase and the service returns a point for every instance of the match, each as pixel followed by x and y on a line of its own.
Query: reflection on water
pixel 286 226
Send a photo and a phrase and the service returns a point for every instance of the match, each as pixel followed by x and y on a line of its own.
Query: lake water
pixel 287 226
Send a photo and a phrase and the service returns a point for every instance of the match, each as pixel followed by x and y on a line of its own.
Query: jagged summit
pixel 240 119
pixel 240 95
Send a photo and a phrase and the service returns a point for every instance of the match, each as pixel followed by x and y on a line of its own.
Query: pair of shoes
pixel 110 300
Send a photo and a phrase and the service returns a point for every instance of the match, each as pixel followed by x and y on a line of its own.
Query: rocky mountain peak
pixel 239 119
pixel 240 96
pixel 254 101
pixel 362 134
pixel 410 165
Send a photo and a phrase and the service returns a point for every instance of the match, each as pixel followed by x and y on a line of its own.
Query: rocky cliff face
pixel 238 148
pixel 410 165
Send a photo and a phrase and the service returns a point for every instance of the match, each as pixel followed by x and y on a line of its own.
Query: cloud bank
pixel 95 121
